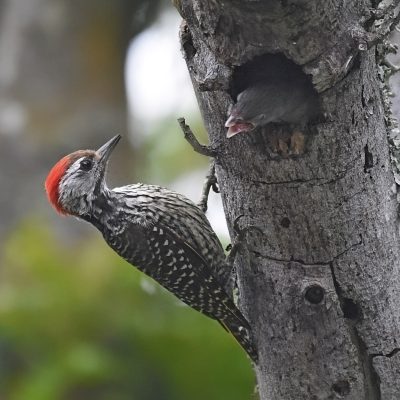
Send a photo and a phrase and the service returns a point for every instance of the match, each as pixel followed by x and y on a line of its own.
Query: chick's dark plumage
pixel 282 101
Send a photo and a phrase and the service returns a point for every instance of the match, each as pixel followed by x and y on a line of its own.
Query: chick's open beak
pixel 236 125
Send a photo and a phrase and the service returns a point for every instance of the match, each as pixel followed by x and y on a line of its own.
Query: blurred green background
pixel 76 321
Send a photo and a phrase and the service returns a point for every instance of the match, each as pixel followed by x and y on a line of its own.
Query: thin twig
pixel 192 140
pixel 210 182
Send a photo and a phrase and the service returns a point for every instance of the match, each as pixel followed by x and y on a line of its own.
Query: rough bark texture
pixel 321 284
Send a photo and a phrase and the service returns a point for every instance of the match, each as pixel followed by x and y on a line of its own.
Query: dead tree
pixel 319 278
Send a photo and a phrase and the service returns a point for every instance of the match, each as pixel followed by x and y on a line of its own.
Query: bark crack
pixel 372 380
pixel 346 199
pixel 297 182
pixel 388 355
pixel 304 263
pixel 285 182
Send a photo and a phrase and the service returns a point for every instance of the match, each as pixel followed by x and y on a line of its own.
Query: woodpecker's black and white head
pixel 78 178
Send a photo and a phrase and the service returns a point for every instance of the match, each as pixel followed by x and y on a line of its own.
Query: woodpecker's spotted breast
pixel 160 232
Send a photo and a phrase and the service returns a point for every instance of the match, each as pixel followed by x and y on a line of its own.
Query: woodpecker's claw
pixel 239 240
pixel 239 231
pixel 210 182
pixel 214 185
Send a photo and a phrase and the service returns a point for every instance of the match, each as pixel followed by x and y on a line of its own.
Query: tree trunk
pixel 320 280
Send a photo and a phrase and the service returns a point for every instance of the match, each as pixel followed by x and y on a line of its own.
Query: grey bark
pixel 321 284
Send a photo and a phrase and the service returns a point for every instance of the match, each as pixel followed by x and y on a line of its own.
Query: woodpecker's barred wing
pixel 160 253
pixel 197 287
pixel 153 205
pixel 199 266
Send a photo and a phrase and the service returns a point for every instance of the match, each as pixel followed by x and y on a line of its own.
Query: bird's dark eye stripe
pixel 86 164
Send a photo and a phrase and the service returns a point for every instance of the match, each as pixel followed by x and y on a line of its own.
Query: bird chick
pixel 292 102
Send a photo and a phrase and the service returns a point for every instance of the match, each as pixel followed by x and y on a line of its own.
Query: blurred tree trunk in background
pixel 61 84
pixel 321 285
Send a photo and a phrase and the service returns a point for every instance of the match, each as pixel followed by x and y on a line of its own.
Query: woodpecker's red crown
pixel 52 184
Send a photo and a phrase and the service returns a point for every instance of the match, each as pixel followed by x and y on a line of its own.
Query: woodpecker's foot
pixel 192 140
pixel 233 248
pixel 210 182
pixel 239 241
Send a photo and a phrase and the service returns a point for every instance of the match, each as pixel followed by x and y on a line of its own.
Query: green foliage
pixel 77 322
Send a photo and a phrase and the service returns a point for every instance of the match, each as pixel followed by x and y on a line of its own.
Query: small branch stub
pixel 192 140
pixel 211 180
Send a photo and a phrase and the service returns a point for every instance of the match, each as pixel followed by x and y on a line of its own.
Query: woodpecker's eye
pixel 86 164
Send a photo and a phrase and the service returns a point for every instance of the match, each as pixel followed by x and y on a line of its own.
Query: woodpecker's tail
pixel 241 331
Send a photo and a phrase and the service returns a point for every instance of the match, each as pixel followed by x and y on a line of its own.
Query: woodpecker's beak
pixel 105 151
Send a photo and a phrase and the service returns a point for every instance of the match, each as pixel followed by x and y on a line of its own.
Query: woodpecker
pixel 292 101
pixel 159 231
